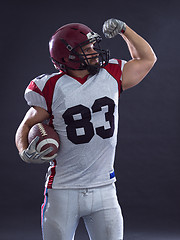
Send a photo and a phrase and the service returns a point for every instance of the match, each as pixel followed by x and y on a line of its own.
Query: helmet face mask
pixel 85 59
pixel 66 49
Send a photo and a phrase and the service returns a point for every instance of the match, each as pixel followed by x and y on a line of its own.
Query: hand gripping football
pixel 48 137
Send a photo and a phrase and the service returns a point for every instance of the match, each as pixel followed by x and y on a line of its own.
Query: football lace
pixel 42 130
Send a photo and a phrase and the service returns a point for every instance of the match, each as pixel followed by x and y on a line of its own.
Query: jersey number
pixel 78 120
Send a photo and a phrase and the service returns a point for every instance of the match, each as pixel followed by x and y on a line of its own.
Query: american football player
pixel 81 102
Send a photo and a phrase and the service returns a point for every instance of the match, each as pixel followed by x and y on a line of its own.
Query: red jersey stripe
pixel 32 86
pixel 48 91
pixel 115 71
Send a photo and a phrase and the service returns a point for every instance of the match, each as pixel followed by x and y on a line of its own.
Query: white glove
pixel 113 27
pixel 31 155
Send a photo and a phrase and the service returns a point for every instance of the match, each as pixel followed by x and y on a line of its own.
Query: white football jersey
pixel 84 112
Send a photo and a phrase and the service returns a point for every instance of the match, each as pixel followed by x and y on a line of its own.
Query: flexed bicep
pixel 134 72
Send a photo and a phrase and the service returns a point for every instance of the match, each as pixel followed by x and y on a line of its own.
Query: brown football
pixel 48 137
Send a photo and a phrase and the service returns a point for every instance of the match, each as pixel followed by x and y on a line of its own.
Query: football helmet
pixel 67 40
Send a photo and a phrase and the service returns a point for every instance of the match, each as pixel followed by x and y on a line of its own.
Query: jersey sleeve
pixel 115 69
pixel 40 91
pixel 34 92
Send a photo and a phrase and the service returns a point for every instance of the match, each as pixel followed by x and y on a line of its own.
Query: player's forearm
pixel 33 116
pixel 138 47
pixel 22 136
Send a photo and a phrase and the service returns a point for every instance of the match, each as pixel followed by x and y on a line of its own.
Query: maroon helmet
pixel 65 42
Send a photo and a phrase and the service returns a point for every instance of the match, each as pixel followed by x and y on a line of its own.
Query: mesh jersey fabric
pixel 86 118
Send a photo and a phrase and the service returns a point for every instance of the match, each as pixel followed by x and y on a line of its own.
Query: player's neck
pixel 77 73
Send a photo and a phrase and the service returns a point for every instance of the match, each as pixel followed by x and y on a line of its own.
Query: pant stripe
pixel 43 207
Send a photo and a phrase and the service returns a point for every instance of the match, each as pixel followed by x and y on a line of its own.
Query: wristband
pixel 123 28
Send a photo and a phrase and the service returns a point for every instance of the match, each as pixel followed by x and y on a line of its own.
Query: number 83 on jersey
pixel 78 118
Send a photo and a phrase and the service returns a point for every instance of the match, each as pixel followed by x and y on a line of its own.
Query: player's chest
pixel 87 111
pixel 88 93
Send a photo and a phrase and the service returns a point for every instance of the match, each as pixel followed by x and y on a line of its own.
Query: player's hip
pixel 83 201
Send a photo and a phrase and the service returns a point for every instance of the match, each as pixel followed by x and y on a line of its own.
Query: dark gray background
pixel 147 160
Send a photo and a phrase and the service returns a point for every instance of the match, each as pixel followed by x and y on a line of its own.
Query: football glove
pixel 113 27
pixel 31 155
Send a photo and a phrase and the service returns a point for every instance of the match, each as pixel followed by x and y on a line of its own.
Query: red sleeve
pixel 114 67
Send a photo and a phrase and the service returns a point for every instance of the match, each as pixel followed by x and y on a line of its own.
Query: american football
pixel 48 137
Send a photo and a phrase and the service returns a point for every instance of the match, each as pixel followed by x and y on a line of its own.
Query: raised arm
pixel 143 57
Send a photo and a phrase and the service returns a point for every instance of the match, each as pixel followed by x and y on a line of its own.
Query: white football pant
pixel 98 207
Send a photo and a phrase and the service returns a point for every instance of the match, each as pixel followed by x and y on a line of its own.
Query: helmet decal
pixel 92 35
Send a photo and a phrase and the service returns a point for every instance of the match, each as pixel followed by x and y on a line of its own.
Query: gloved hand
pixel 112 27
pixel 31 155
